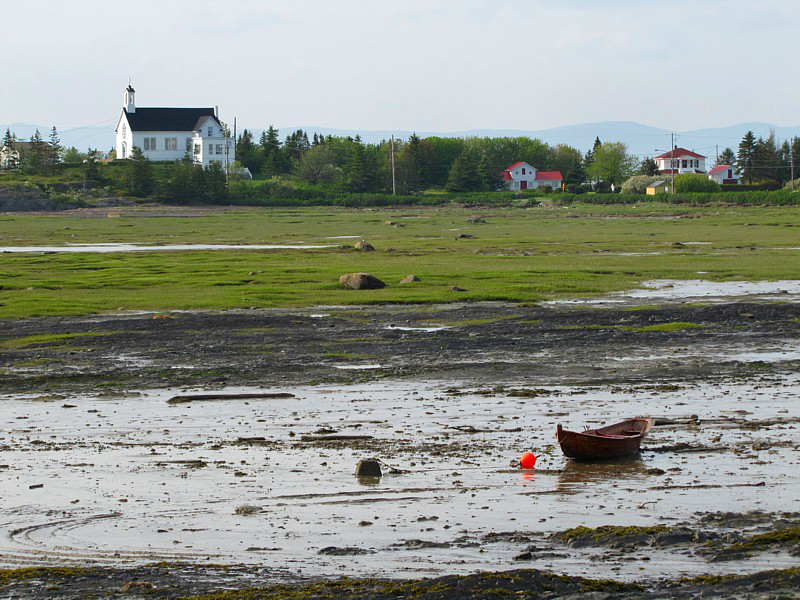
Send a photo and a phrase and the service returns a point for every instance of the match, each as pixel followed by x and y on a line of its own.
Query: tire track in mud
pixel 26 550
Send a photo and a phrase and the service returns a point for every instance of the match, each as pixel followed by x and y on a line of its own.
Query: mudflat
pixel 177 453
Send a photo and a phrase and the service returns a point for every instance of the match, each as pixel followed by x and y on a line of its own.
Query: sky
pixel 424 65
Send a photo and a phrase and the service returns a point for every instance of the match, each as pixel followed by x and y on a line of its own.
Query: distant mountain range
pixel 643 140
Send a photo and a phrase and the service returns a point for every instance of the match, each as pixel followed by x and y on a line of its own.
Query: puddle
pixel 357 367
pixel 699 288
pixel 101 248
pixel 695 289
pixel 133 480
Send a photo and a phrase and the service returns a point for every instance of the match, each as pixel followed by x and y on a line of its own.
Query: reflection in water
pixel 576 473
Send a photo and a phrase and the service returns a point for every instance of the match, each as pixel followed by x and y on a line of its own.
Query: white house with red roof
pixel 679 161
pixel 724 174
pixel 522 176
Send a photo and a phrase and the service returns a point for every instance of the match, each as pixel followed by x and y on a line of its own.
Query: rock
pixel 410 279
pixel 463 236
pixel 361 281
pixel 368 468
pixel 344 551
pixel 136 585
pixel 247 509
pixel 365 246
pixel 476 220
pixel 524 556
pixel 455 288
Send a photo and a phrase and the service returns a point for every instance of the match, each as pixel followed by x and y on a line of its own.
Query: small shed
pixel 658 187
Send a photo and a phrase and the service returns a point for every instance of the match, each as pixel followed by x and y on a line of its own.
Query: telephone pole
pixel 672 162
pixel 394 186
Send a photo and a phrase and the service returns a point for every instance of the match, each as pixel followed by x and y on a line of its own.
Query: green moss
pixel 8 576
pixel 610 531
pixel 790 535
pixel 47 338
pixel 676 326
pixel 666 327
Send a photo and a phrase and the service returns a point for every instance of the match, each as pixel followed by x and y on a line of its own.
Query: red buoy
pixel 527 460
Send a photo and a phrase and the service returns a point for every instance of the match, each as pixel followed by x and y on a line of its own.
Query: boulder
pixel 361 281
pixel 365 246
pixel 455 288
pixel 410 279
pixel 368 467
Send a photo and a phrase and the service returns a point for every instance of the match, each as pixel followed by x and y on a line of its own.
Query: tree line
pixel 348 164
pixel 407 166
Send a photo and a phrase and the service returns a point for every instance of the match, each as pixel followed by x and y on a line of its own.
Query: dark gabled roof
pixel 167 119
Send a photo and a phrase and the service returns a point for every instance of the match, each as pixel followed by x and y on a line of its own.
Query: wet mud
pixel 192 452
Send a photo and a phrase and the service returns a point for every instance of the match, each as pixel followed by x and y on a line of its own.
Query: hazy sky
pixel 426 65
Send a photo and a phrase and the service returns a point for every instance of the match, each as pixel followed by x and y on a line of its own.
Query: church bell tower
pixel 130 99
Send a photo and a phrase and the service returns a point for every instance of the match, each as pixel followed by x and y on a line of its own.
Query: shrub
pixel 638 183
pixel 695 182
pixel 793 185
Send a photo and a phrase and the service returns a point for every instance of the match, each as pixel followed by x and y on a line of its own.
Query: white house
pixel 169 134
pixel 724 174
pixel 679 161
pixel 522 176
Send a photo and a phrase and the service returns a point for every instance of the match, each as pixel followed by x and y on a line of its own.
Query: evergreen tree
pixel 588 159
pixel 295 146
pixel 272 164
pixel 745 158
pixel 270 146
pixel 766 159
pixel 11 161
pixel 34 160
pixel 726 157
pixel 648 166
pixel 216 183
pixel 139 178
pixel 464 176
pixel 56 149
pixel 179 182
pixel 248 153
pixel 357 177
pixel 91 167
pixel 576 175
pixel 784 171
pixel 409 163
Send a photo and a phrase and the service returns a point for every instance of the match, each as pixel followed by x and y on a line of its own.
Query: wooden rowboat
pixel 612 441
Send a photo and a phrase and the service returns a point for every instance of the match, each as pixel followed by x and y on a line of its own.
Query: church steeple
pixel 130 98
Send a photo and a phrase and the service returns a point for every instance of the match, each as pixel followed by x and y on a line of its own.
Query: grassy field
pixel 520 255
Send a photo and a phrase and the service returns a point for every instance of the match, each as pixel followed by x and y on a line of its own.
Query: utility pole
pixel 791 163
pixel 672 162
pixel 394 186
pixel 717 147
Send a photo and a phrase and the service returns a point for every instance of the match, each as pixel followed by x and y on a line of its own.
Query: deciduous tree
pixel 612 163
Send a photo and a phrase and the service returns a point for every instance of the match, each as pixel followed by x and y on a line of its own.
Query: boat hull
pixel 614 441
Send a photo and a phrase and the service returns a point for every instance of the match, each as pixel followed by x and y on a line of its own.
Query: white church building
pixel 170 134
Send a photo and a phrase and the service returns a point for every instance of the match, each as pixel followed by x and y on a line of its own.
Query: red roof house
pixel 522 176
pixel 724 174
pixel 680 160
